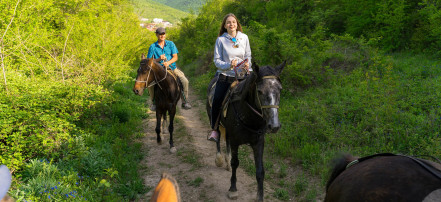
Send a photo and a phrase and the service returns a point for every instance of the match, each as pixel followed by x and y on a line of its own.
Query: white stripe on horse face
pixel 272 96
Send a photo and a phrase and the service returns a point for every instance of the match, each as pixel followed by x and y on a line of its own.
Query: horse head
pixel 145 75
pixel 268 89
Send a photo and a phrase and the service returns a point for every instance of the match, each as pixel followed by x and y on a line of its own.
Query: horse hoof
pixel 233 195
pixel 173 150
pixel 219 160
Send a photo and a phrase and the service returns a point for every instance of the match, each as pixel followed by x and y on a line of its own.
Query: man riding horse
pixel 166 53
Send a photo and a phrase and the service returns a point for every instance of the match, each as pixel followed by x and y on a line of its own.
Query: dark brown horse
pixel 384 177
pixel 252 112
pixel 166 93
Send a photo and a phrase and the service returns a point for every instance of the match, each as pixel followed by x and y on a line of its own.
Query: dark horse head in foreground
pixel 384 177
pixel 252 112
pixel 167 93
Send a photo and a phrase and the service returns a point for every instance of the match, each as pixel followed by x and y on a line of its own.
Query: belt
pixel 228 79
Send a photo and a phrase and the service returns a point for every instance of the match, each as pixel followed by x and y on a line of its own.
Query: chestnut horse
pixel 252 112
pixel 166 93
pixel 167 190
pixel 384 177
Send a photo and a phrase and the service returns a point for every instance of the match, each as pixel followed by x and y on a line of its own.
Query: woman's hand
pixel 246 65
pixel 233 63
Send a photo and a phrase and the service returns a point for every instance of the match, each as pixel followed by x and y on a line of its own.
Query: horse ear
pixel 280 67
pixel 256 67
pixel 150 63
pixel 142 56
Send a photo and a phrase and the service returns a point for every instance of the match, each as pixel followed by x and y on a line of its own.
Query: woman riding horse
pixel 232 47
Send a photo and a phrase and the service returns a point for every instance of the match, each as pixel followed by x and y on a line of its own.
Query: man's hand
pixel 163 57
pixel 165 64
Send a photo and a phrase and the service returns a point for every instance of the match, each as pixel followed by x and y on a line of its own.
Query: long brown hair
pixel 223 29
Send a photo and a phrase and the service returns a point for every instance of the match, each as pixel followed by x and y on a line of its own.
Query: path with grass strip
pixel 193 165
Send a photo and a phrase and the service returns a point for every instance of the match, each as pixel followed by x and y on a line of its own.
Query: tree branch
pixel 2 47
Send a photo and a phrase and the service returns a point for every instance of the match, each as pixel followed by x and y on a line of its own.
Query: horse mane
pixel 339 165
pixel 244 86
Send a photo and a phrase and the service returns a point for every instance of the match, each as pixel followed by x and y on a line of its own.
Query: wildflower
pixel 56 186
pixel 49 196
pixel 67 195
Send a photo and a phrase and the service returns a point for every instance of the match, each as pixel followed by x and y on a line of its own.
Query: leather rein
pixel 156 79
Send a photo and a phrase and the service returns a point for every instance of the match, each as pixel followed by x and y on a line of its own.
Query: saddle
pixel 176 78
pixel 226 100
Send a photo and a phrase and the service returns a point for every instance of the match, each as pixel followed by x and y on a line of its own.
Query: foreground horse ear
pixel 142 56
pixel 256 67
pixel 280 67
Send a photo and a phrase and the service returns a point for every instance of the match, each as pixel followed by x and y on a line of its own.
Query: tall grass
pixel 391 106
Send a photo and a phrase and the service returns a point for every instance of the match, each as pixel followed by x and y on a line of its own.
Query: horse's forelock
pixel 266 71
pixel 143 63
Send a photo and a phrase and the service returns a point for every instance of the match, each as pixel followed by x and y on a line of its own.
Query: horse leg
pixel 228 154
pixel 258 161
pixel 172 113
pixel 164 124
pixel 232 192
pixel 219 158
pixel 158 126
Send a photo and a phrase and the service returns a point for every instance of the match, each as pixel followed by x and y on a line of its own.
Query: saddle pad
pixel 225 102
pixel 178 81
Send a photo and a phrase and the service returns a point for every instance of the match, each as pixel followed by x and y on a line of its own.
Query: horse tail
pixel 166 190
pixel 339 165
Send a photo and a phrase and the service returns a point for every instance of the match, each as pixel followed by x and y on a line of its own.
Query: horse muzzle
pixel 138 91
pixel 273 126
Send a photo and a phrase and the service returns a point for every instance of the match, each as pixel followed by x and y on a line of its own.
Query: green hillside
pixel 184 5
pixel 151 9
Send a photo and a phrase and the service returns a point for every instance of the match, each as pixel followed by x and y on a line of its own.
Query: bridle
pixel 259 103
pixel 156 79
pixel 267 106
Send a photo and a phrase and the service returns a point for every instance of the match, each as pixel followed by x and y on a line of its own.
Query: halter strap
pixel 260 103
pixel 270 77
pixel 156 79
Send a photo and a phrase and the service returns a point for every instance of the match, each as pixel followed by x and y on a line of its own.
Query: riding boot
pixel 185 103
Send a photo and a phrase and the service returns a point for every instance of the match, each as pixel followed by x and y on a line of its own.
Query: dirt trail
pixel 193 165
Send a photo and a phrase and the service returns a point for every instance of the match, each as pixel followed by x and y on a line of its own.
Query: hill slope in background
pixel 184 5
pixel 151 9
